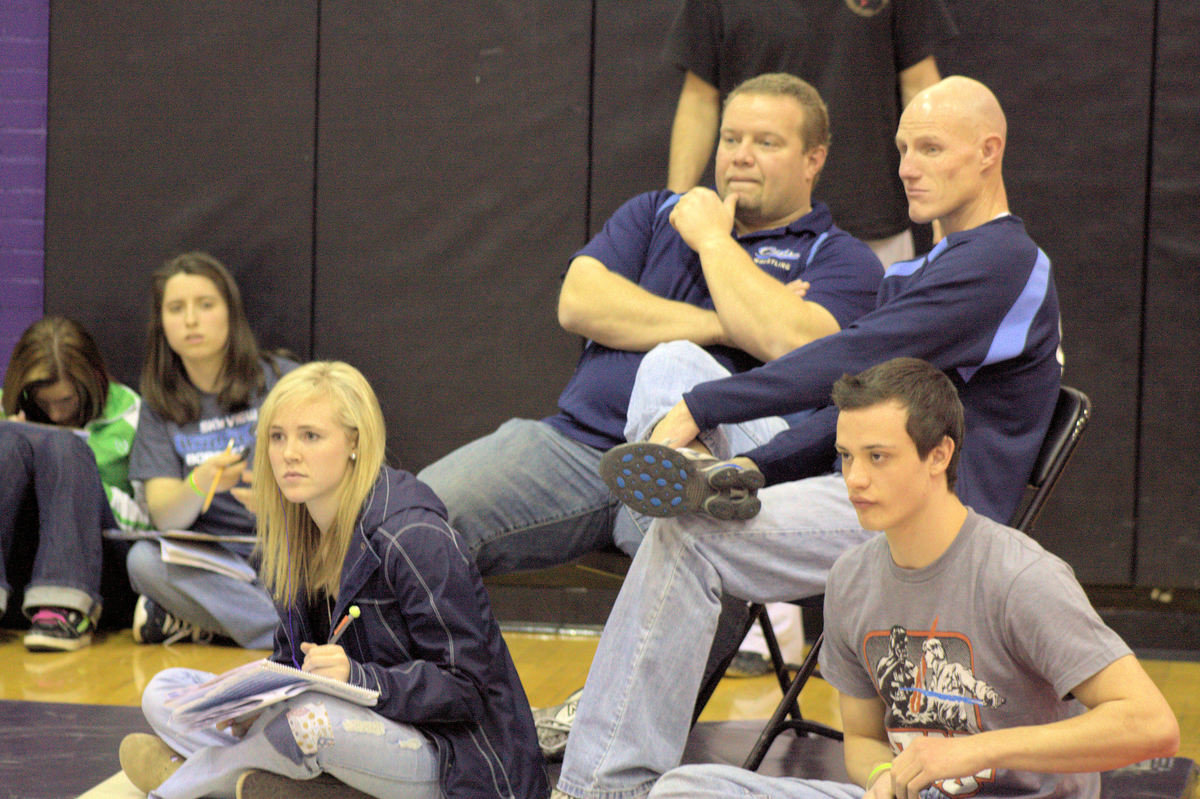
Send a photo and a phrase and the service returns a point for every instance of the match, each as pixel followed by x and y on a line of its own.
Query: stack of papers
pixel 213 557
pixel 249 688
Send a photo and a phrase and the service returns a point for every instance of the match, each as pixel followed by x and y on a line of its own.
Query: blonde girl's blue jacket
pixel 427 641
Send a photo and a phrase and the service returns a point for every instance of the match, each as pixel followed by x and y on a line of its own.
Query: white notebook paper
pixel 256 685
pixel 201 555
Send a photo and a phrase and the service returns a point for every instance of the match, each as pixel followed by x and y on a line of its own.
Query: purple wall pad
pixel 24 51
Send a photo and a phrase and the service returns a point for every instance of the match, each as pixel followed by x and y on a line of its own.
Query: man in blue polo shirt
pixel 747 272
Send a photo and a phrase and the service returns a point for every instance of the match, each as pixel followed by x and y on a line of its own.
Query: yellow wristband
pixel 191 481
pixel 875 772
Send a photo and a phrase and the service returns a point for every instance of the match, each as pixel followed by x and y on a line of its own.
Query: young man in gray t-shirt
pixel 967 659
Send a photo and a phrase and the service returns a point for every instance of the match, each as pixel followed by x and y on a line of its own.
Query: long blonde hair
pixel 294 551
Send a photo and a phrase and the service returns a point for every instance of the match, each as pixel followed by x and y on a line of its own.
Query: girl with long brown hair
pixel 203 380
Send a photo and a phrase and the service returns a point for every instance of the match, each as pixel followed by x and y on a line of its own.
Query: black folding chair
pixel 1071 414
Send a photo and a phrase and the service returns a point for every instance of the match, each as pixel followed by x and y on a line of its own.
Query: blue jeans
pixel 635 712
pixel 664 375
pixel 722 782
pixel 240 610
pixel 353 743
pixel 528 497
pixel 56 468
pixel 636 709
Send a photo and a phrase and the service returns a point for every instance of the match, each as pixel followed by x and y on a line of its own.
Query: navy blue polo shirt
pixel 640 244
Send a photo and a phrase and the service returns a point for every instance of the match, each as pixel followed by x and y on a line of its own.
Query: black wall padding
pixel 174 127
pixel 1075 86
pixel 633 104
pixel 1168 531
pixel 401 185
pixel 452 168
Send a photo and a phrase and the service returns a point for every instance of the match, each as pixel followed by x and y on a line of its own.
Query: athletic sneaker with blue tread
pixel 661 481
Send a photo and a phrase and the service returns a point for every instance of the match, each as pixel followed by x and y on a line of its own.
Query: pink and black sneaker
pixel 58 630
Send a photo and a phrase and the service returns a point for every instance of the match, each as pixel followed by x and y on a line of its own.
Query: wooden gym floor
pixel 53 705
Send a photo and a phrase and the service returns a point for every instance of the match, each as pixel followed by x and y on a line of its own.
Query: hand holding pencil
pixel 226 468
pixel 329 659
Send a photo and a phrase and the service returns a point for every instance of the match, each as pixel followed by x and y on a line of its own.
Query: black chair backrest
pixel 1071 414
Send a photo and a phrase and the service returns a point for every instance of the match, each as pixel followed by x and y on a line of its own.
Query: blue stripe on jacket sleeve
pixel 906 268
pixel 1013 332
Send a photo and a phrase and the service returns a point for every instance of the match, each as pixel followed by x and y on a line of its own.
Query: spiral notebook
pixel 249 688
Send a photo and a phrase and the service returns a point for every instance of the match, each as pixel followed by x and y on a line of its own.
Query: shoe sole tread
pixel 659 481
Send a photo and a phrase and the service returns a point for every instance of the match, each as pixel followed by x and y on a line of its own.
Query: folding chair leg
pixel 779 722
pixel 777 661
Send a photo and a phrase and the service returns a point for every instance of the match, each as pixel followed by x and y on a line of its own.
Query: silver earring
pixel 353 456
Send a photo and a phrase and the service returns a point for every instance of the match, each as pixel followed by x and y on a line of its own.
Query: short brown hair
pixel 815 131
pixel 927 394
pixel 55 348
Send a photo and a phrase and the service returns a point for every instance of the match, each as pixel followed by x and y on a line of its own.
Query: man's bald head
pixel 951 139
pixel 968 101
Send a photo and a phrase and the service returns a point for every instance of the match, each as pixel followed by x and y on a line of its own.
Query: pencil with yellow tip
pixel 212 489
pixel 352 613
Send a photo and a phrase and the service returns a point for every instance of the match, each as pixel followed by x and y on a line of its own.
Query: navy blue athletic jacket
pixel 427 641
pixel 982 307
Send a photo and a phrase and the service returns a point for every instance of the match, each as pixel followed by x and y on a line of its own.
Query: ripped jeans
pixel 298 738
